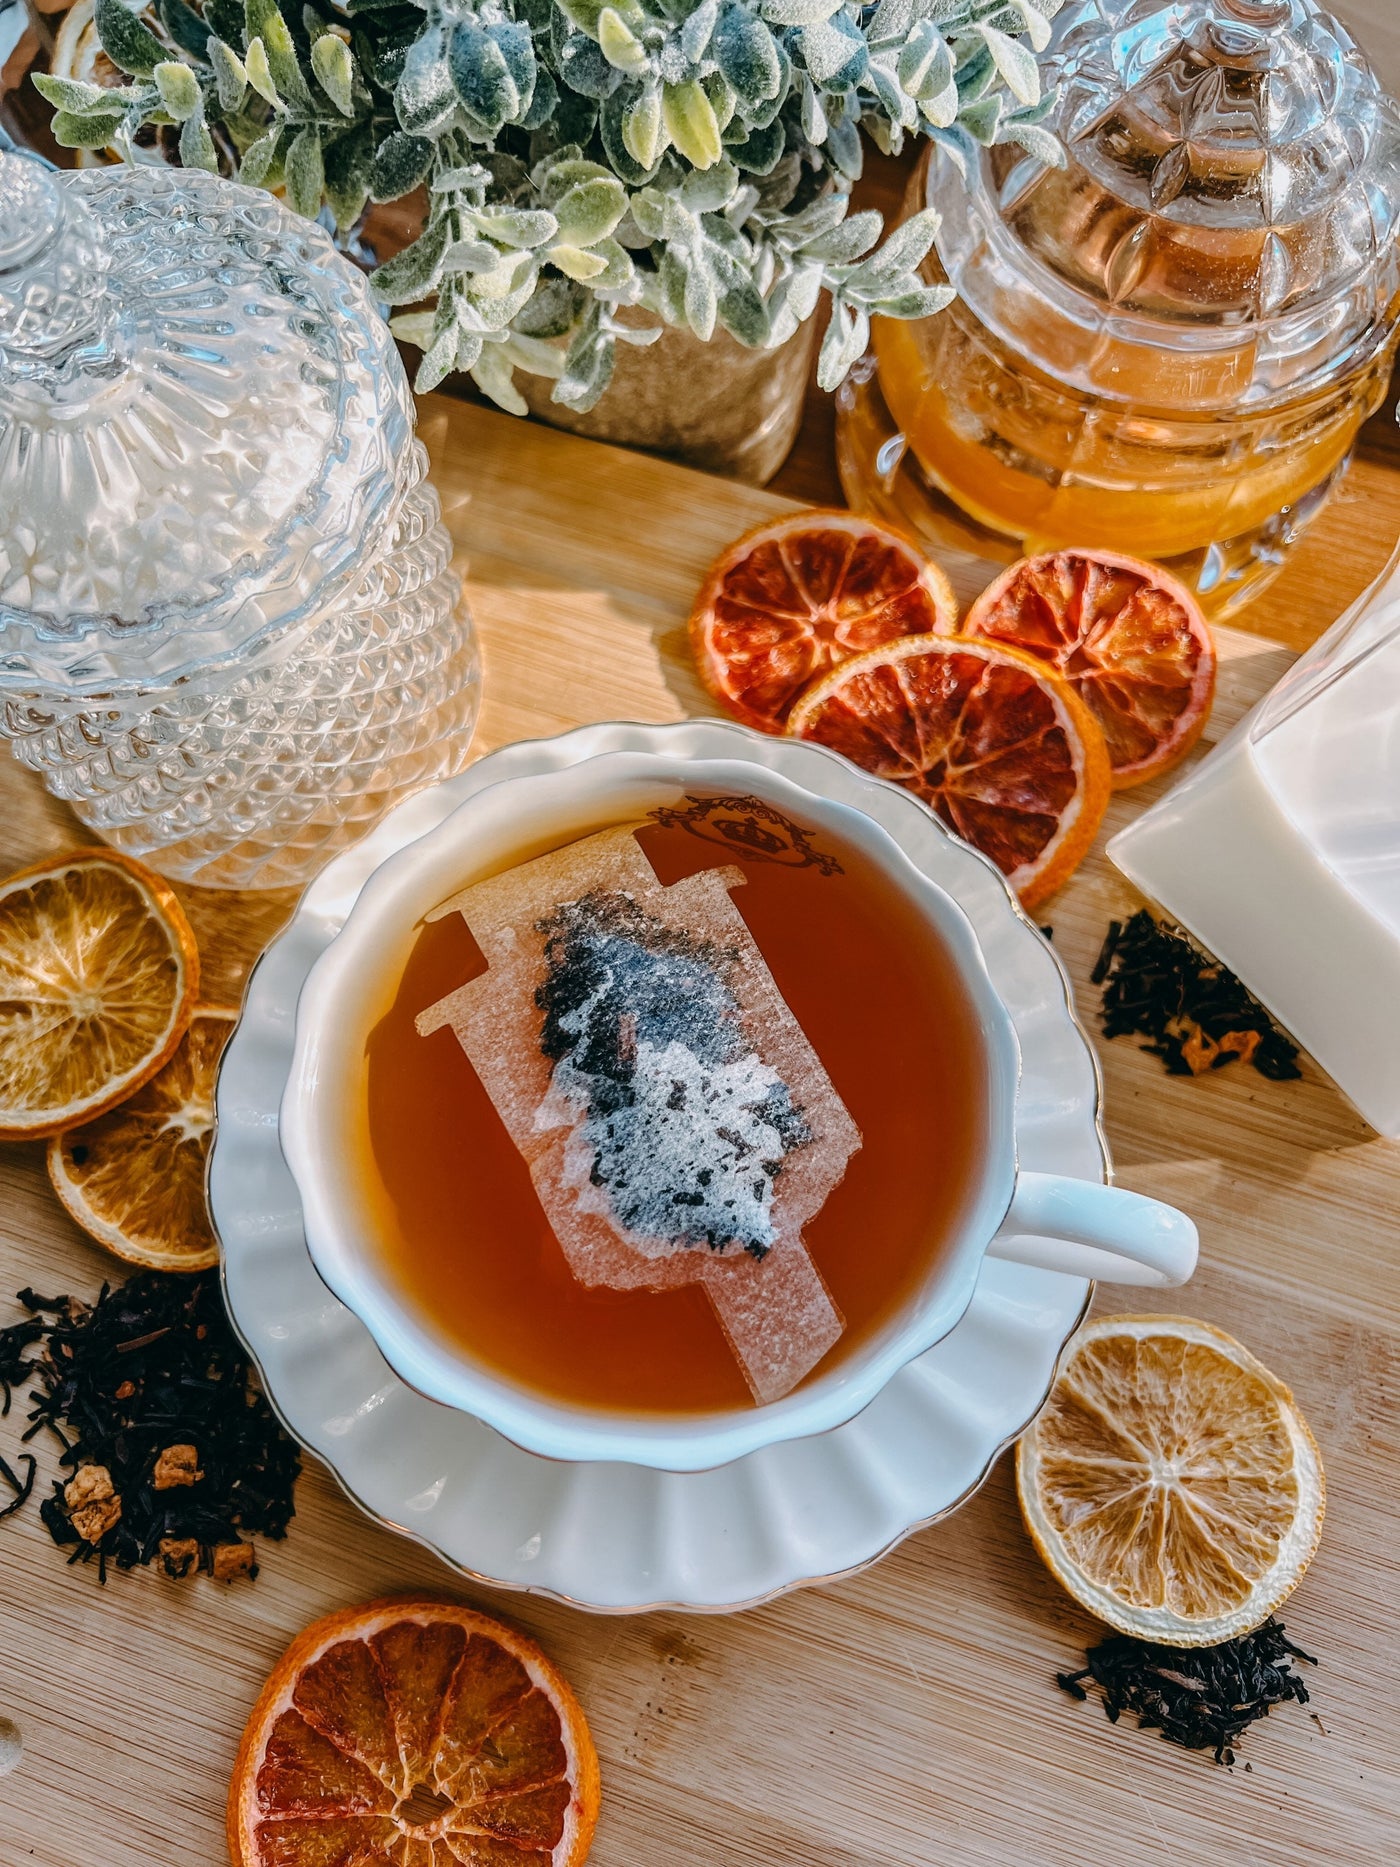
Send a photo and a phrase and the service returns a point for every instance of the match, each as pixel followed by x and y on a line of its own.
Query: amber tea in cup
pixel 871 1117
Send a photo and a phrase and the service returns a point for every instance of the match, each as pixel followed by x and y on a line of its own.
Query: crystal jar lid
pixel 202 425
pixel 1231 195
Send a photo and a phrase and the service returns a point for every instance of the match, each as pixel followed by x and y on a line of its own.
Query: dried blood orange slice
pixel 1131 640
pixel 793 598
pixel 98 974
pixel 413 1734
pixel 994 741
pixel 134 1177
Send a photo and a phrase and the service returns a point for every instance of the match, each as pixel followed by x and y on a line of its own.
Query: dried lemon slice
pixel 134 1177
pixel 98 974
pixel 1170 1483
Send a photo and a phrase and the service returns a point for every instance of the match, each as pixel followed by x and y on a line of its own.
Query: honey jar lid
pixel 1231 191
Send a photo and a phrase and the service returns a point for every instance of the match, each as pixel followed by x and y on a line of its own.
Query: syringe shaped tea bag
pixel 677 1124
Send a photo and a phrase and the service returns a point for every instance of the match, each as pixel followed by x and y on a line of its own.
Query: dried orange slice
pixel 98 975
pixel 413 1734
pixel 990 738
pixel 1171 1483
pixel 1130 638
pixel 793 598
pixel 134 1177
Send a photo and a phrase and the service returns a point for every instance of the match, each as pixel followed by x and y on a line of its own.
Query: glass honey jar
pixel 1167 345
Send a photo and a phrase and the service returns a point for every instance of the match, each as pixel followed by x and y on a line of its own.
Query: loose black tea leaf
pixel 1158 983
pixel 1199 1697
pixel 169 1450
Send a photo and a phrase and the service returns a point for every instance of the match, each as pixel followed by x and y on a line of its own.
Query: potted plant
pixel 601 176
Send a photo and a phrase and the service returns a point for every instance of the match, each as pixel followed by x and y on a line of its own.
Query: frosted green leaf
pixel 554 179
pixel 179 89
pixel 335 71
pixel 438 359
pixel 834 53
pixel 131 46
pixel 264 21
pixel 691 124
pixel 197 145
pixel 798 12
pixel 414 327
pixel 982 119
pixel 575 263
pixel 744 315
pixel 643 131
pixel 701 301
pixel 724 99
pixel 941 109
pixel 535 355
pixel 229 75
pixel 925 65
pixel 400 164
pixel 846 242
pixel 515 226
pixel 259 72
pixel 696 32
pixel 306 174
pixel 904 251
pixel 494 375
pixel 424 98
pixel 918 302
pixel 649 212
pixel 590 211
pixel 512 39
pixel 349 157
pixel 481 77
pixel 844 344
pixel 470 178
pixel 503 283
pixel 79 99
pixel 1015 63
pixel 470 256
pixel 618 271
pixel 258 158
pixel 814 124
pixel 1043 144
pixel 88 131
pixel 413 273
pixel 588 367
pixel 893 20
pixel 1037 25
pixel 620 46
pixel 745 52
pixel 710 191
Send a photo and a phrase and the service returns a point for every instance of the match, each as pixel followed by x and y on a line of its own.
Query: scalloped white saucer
pixel 618 1538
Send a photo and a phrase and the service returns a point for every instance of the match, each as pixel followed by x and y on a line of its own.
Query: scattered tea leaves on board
pixel 1158 983
pixel 1202 1698
pixel 170 1452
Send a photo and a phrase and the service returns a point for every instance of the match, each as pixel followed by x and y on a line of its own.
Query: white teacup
pixel 1075 1226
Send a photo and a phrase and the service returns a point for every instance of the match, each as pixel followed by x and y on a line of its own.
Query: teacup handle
pixel 1090 1230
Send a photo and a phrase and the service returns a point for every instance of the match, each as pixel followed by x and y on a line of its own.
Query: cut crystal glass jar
pixel 1165 347
pixel 230 633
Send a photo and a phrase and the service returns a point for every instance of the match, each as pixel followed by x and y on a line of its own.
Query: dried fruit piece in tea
pixel 1158 983
pixel 1202 1698
pixel 171 1452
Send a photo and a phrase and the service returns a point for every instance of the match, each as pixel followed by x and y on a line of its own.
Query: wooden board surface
pixel 906 1716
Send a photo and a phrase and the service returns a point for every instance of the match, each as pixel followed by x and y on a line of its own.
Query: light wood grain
pixel 905 1716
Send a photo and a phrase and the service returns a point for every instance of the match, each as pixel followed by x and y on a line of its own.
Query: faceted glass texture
pixel 230 634
pixel 1166 345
